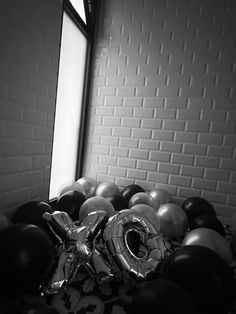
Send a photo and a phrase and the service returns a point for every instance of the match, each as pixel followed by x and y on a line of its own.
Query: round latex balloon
pixel 197 206
pixel 142 198
pixel 173 220
pixel 32 308
pixel 118 202
pixel 89 186
pixel 31 213
pixel 95 203
pixel 202 274
pixel 208 221
pixel 107 189
pixel 70 186
pixel 161 196
pixel 27 255
pixel 4 221
pixel 211 239
pixel 70 202
pixel 130 190
pixel 233 243
pixel 162 296
pixel 232 223
pixel 148 212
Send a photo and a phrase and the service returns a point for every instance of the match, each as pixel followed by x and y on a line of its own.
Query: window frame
pixel 88 30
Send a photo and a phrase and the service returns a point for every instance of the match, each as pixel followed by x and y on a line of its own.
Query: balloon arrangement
pixel 178 256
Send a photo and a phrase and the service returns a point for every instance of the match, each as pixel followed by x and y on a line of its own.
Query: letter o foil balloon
pixel 154 247
pixel 173 220
pixel 211 239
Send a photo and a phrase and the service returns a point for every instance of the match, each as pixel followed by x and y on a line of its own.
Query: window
pixel 72 94
pixel 79 7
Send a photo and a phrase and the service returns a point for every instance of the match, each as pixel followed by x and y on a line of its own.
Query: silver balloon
pixel 142 198
pixel 148 212
pixel 154 247
pixel 77 246
pixel 95 203
pixel 103 246
pixel 89 186
pixel 107 189
pixel 173 220
pixel 161 196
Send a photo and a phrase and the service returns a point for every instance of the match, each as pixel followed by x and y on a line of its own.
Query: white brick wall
pixel 29 50
pixel 164 87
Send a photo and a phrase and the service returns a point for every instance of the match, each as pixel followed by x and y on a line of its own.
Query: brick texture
pixel 164 82
pixel 29 50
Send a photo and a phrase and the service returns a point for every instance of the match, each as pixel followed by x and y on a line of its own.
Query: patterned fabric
pixel 84 295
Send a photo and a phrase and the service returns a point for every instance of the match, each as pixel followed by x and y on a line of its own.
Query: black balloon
pixel 70 202
pixel 31 213
pixel 118 202
pixel 4 221
pixel 208 221
pixel 27 254
pixel 31 308
pixel 197 206
pixel 162 296
pixel 204 275
pixel 130 190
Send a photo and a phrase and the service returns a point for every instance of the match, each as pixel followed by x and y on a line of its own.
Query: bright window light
pixel 68 106
pixel 79 7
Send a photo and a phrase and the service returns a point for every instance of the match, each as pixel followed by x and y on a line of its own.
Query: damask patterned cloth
pixel 84 295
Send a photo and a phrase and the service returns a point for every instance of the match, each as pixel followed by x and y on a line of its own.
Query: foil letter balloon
pixel 122 246
pixel 152 248
pixel 77 247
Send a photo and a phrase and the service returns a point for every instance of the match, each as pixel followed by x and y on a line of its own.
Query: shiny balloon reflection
pixel 211 239
pixel 142 198
pixel 107 189
pixel 173 220
pixel 89 186
pixel 161 196
pixel 95 203
pixel 108 247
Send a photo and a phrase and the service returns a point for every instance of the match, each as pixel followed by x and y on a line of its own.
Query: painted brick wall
pixel 163 107
pixel 29 49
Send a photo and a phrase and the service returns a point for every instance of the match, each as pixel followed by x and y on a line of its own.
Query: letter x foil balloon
pixel 76 248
